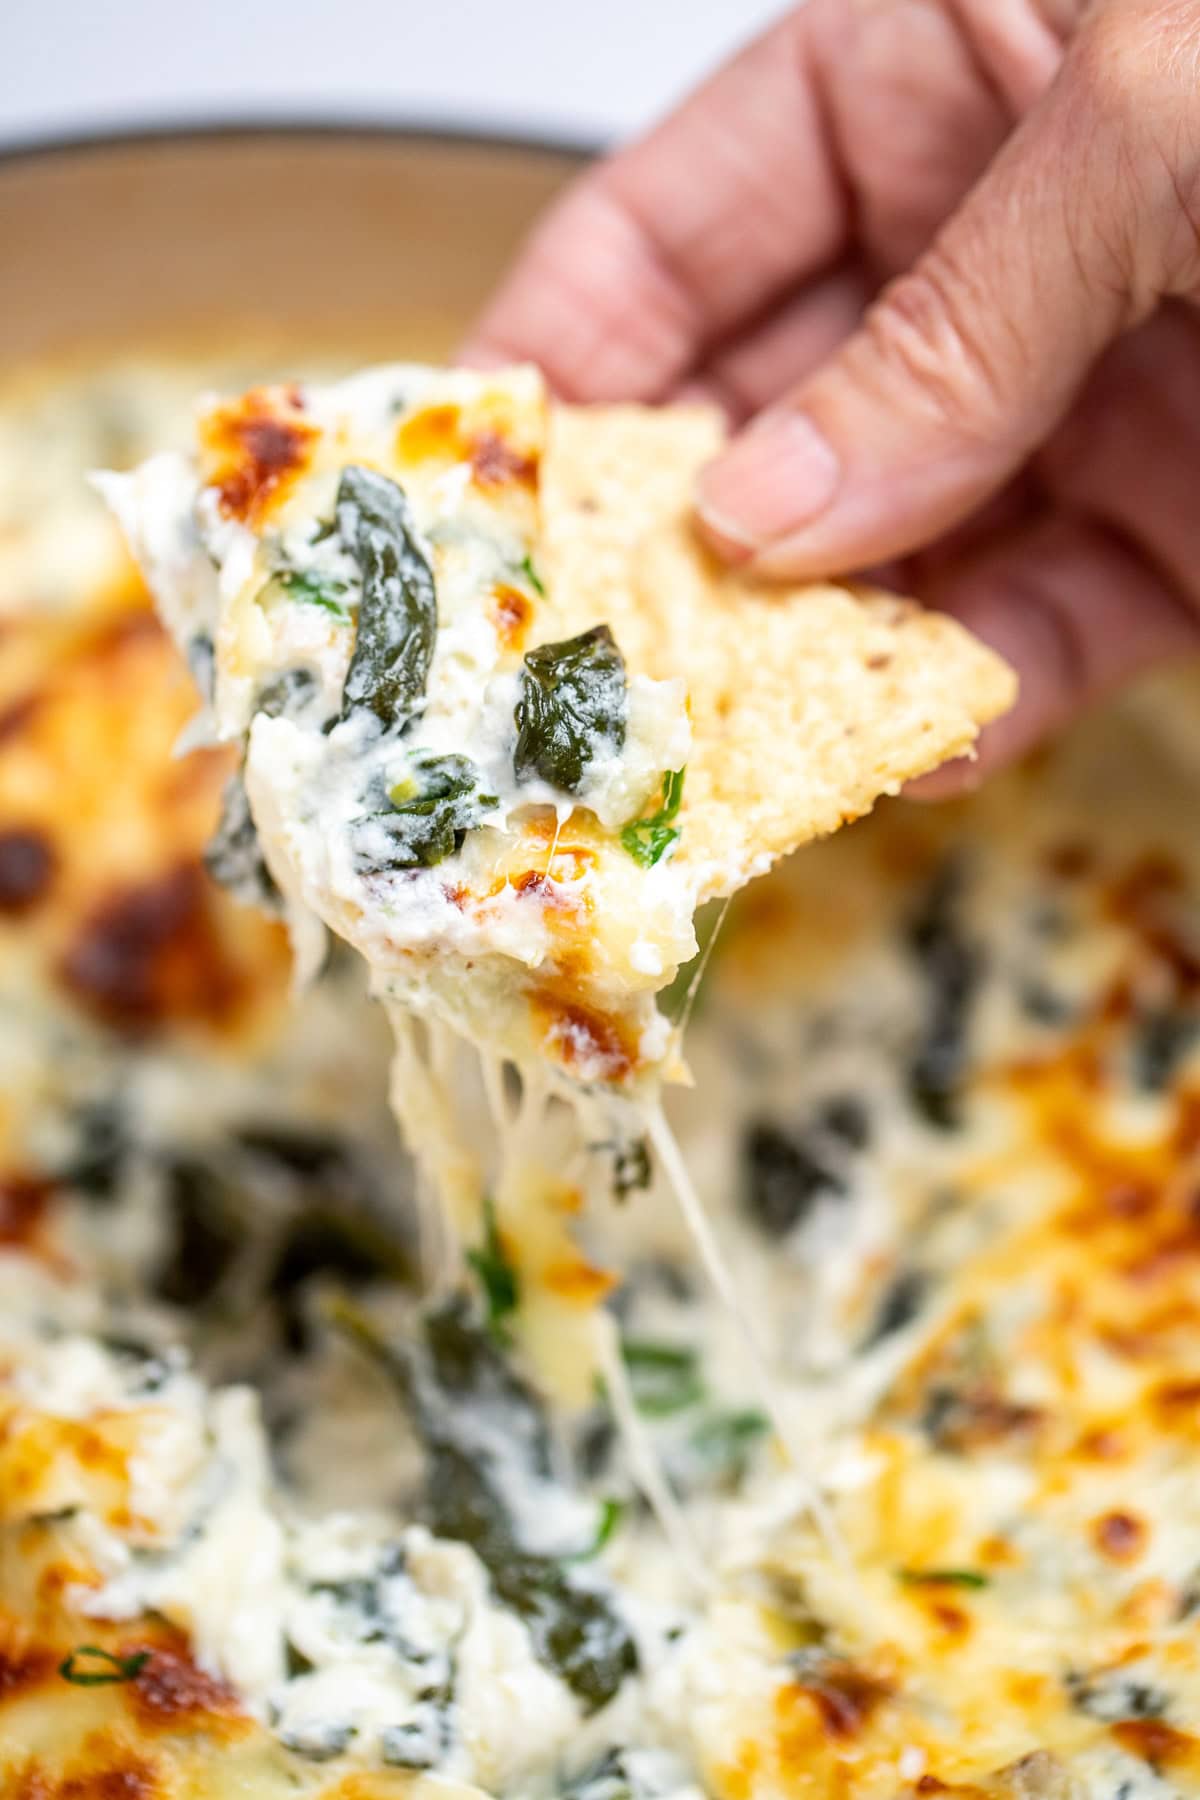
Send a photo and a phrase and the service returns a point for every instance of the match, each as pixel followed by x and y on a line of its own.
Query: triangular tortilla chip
pixel 807 703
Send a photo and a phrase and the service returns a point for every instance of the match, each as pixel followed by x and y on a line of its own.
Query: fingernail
pixel 777 477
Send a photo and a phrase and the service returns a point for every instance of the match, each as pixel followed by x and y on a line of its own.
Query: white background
pixel 586 69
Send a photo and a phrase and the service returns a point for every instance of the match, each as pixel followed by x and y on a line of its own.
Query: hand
pixel 952 248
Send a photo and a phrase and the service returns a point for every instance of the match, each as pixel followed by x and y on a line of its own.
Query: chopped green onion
pixel 531 575
pixel 648 840
pixel 963 1578
pixel 497 1277
pixel 105 1668
pixel 315 590
pixel 610 1516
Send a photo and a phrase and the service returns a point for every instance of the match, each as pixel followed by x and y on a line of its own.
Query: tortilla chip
pixel 807 703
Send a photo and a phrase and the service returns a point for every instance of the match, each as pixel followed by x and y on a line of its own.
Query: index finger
pixel 672 243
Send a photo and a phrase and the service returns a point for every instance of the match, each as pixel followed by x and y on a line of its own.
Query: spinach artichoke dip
pixel 314 1483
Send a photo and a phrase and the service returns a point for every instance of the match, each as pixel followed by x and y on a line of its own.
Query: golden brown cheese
pixel 1060 1353
pixel 102 834
pixel 253 448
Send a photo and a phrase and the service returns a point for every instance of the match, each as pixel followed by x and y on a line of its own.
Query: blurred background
pixel 549 68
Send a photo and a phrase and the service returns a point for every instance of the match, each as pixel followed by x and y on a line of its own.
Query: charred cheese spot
pixel 1145 899
pixel 1178 1403
pixel 841 1697
pixel 563 906
pixel 18 716
pixel 1070 859
pixel 24 1200
pixel 1103 1444
pixel 1121 1536
pixel 171 1692
pixel 950 1619
pixel 495 463
pixel 22 1666
pixel 254 448
pixel 533 881
pixel 121 826
pixel 582 1040
pixel 153 954
pixel 511 612
pixel 127 1776
pixel 1158 1743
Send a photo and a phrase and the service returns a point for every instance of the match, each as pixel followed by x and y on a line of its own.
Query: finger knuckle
pixel 935 331
pixel 1136 61
pixel 1132 132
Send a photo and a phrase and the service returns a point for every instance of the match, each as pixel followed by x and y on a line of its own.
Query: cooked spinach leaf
pixel 90 1666
pixel 432 809
pixel 318 1740
pixel 397 614
pixel 626 1773
pixel 952 967
pixel 202 662
pixel 665 1378
pixel 785 1173
pixel 725 1440
pixel 207 1228
pixel 96 1162
pixel 899 1305
pixel 497 1277
pixel 286 694
pixel 648 840
pixel 571 709
pixel 307 1153
pixel 233 855
pixel 422 1740
pixel 1163 1038
pixel 844 1117
pixel 331 1242
pixel 631 1167
pixel 295 1663
pixel 456 1377
pixel 1113 1695
pixel 614 1775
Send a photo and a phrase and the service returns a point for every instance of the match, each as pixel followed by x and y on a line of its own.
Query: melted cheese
pixel 946 1134
pixel 539 935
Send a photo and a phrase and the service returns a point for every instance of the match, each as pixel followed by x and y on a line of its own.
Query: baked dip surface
pixel 278 1519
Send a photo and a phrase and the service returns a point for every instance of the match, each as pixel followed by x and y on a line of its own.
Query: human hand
pixel 951 247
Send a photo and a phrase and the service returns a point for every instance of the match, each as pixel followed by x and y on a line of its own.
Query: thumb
pixel 965 363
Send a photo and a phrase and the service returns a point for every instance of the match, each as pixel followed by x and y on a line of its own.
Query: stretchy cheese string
pixel 643 1461
pixel 423 1091
pixel 419 1102
pixel 696 1220
pixel 501 1112
pixel 689 1000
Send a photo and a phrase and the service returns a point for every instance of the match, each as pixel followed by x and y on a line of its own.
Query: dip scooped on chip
pixel 506 725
